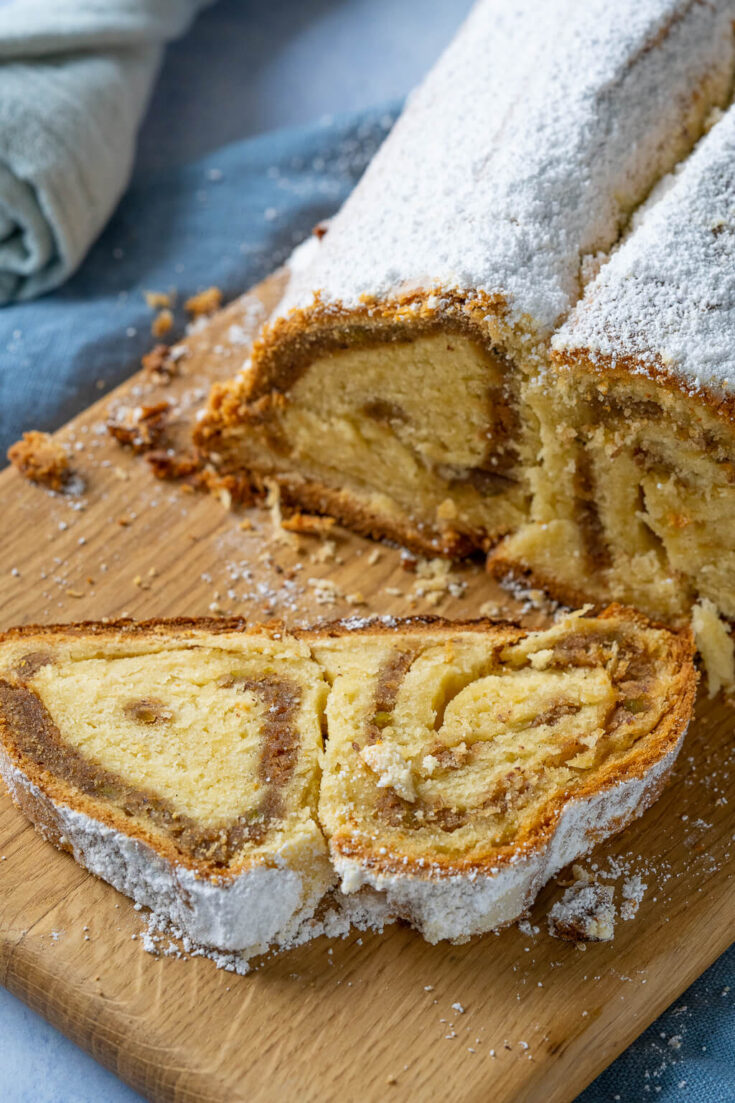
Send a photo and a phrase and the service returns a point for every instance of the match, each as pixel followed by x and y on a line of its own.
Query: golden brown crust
pixel 274 629
pixel 142 428
pixel 288 344
pixel 350 511
pixel 621 368
pixel 510 570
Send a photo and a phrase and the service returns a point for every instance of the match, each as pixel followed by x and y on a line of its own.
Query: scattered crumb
pixel 273 503
pixel 162 323
pixel 205 302
pixel 585 913
pixel 434 580
pixel 157 300
pixel 326 552
pixel 307 523
pixel 633 891
pixel 526 927
pixel 41 459
pixel 159 364
pixel 581 875
pixel 715 645
pixel 140 428
pixel 326 592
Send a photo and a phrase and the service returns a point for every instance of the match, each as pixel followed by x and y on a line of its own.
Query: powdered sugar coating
pixel 541 127
pixel 666 299
pixel 458 907
pixel 264 905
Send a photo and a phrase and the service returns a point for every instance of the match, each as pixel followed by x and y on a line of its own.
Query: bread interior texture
pixel 451 752
pixel 634 498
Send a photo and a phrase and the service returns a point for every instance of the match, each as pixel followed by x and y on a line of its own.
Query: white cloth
pixel 75 76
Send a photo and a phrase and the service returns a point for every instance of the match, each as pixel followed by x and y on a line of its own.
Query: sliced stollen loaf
pixel 638 497
pixel 178 761
pixel 389 388
pixel 465 762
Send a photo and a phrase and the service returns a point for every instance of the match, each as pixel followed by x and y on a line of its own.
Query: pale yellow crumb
pixel 715 645
pixel 157 300
pixel 205 302
pixel 162 323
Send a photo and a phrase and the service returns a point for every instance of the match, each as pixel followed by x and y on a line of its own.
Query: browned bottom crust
pixel 348 510
pixel 508 570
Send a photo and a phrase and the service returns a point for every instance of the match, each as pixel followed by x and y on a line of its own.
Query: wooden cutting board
pixel 369 1017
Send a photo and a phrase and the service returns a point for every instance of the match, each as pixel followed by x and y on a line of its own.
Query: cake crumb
pixel 162 323
pixel 157 300
pixel 41 459
pixel 159 364
pixel 308 524
pixel 140 428
pixel 205 302
pixel 273 503
pixel 393 769
pixel 633 891
pixel 715 645
pixel 585 913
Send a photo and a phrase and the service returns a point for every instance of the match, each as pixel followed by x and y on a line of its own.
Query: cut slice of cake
pixel 388 389
pixel 180 762
pixel 466 764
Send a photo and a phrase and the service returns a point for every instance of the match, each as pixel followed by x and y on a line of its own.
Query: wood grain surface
pixel 367 1017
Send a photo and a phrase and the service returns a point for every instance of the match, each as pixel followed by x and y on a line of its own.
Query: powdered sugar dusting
pixel 542 126
pixel 336 917
pixel 667 298
pixel 458 907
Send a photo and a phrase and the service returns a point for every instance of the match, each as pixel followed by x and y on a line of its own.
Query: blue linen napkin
pixel 228 220
pixel 75 76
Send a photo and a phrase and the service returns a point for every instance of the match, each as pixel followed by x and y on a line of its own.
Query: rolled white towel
pixel 75 76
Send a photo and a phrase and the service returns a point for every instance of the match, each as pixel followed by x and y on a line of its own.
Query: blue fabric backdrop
pixel 228 219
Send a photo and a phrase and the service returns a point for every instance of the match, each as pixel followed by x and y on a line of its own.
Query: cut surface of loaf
pixel 177 761
pixel 389 389
pixel 465 762
pixel 637 496
pixel 463 770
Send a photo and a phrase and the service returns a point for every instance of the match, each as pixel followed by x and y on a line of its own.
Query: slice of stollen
pixel 467 764
pixel 177 760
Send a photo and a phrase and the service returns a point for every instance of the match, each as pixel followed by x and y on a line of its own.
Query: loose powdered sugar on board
pixel 539 1017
